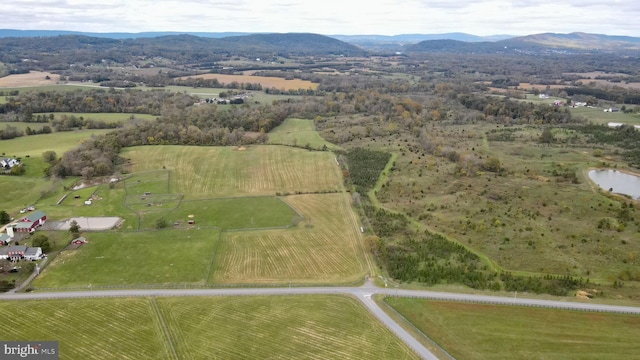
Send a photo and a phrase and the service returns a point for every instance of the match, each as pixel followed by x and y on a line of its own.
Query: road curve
pixel 363 294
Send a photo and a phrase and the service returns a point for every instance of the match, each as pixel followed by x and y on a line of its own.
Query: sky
pixel 328 17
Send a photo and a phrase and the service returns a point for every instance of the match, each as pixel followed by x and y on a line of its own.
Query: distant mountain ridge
pixel 576 42
pixel 261 44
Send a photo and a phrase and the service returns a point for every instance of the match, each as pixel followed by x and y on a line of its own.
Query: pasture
pixel 319 327
pixel 298 132
pixel 598 116
pixel 225 213
pixel 480 331
pixel 204 172
pixel 325 247
pixel 134 258
pixel 35 145
pixel 266 82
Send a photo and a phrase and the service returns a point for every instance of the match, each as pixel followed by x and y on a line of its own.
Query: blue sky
pixel 330 17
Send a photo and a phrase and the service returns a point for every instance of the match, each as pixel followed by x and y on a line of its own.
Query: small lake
pixel 620 182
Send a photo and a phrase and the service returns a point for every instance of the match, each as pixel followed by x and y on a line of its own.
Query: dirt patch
pixel 34 78
pixel 241 148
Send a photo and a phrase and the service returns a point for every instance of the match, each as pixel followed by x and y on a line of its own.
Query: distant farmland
pixel 266 82
pixel 34 78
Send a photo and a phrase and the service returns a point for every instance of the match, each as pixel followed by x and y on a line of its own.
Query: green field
pixel 58 87
pixel 478 331
pixel 134 258
pixel 277 327
pixel 298 132
pixel 225 213
pixel 325 247
pixel 37 144
pixel 598 116
pixel 203 172
pixel 89 328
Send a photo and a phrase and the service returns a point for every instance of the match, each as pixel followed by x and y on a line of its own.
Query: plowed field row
pixel 324 247
pixel 90 328
pixel 277 327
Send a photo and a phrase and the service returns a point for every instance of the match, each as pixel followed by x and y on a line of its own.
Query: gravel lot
pixel 85 223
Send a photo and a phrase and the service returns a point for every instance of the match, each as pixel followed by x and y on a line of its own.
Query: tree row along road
pixel 363 294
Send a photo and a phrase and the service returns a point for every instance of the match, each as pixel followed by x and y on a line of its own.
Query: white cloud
pixel 480 17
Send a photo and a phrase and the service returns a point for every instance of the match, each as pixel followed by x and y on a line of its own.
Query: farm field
pixel 225 213
pixel 479 331
pixel 319 327
pixel 266 82
pixel 325 247
pixel 206 328
pixel 598 116
pixel 134 258
pixel 34 78
pixel 35 145
pixel 300 132
pixel 204 172
pixel 90 328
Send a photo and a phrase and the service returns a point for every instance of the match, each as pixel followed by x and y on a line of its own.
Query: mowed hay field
pixel 300 132
pixel 89 328
pixel 480 331
pixel 325 247
pixel 134 258
pixel 265 81
pixel 274 327
pixel 34 78
pixel 277 327
pixel 203 172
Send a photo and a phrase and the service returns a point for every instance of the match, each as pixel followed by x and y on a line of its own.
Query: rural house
pixel 19 252
pixel 8 163
pixel 13 253
pixel 30 222
pixel 33 253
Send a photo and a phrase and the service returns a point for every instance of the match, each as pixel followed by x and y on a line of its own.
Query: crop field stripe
pixel 88 328
pixel 213 256
pixel 323 247
pixel 297 326
pixel 165 331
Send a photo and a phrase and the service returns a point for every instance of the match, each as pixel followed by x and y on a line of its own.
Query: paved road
pixel 363 294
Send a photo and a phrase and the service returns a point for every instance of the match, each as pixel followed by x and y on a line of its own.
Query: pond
pixel 617 182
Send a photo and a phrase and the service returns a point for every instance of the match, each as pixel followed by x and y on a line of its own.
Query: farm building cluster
pixel 27 224
pixel 8 163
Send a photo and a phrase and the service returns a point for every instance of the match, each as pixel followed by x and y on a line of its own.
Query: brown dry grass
pixel 265 81
pixel 34 78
